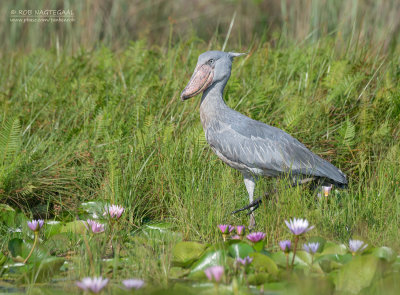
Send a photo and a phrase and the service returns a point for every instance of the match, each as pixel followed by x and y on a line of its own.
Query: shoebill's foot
pixel 251 207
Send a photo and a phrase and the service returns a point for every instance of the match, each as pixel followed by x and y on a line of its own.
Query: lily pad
pixel 328 262
pixel 161 232
pixel 303 255
pixel 385 253
pixel 259 245
pixel 357 274
pixel 178 272
pixel 280 259
pixel 7 215
pixel 264 263
pixel 185 253
pixel 332 248
pixel 240 249
pixel 258 278
pixel 275 286
pixel 20 249
pixel 210 258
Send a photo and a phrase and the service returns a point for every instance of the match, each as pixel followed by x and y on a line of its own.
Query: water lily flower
pixel 256 237
pixel 35 225
pixel 298 226
pixel 214 273
pixel 285 245
pixel 357 246
pixel 245 261
pixel 327 190
pixel 240 230
pixel 236 237
pixel 311 248
pixel 133 284
pixel 225 228
pixel 94 226
pixel 114 211
pixel 94 285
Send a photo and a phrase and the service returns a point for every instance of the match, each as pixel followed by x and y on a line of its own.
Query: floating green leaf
pixel 258 278
pixel 240 249
pixel 332 248
pixel 161 232
pixel 357 274
pixel 178 272
pixel 7 215
pixel 280 259
pixel 210 258
pixel 185 253
pixel 303 255
pixel 385 253
pixel 262 262
pixel 20 249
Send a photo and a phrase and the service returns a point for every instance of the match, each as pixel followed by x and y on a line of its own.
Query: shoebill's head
pixel 212 67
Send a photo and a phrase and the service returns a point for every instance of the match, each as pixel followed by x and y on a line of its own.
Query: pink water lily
pixel 357 246
pixel 94 285
pixel 298 226
pixel 35 225
pixel 327 190
pixel 113 211
pixel 256 237
pixel 240 230
pixel 245 261
pixel 225 228
pixel 311 248
pixel 133 284
pixel 214 273
pixel 94 226
pixel 285 245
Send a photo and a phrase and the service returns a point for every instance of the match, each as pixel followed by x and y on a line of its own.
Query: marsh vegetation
pixel 83 127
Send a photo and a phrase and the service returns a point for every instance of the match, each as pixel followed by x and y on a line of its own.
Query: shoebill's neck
pixel 212 104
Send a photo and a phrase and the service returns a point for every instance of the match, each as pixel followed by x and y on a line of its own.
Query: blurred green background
pixel 159 22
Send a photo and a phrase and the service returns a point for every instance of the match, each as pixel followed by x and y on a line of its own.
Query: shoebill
pixel 252 147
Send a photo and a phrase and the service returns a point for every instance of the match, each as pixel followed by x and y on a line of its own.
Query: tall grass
pixel 110 126
pixel 162 22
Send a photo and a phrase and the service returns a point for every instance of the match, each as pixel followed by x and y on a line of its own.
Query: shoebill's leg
pixel 254 204
pixel 250 185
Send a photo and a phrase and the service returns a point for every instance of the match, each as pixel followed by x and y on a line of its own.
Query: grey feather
pixel 257 145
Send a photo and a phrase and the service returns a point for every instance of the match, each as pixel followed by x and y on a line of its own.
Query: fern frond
pixel 10 140
pixel 349 133
pixel 201 139
pixel 100 126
